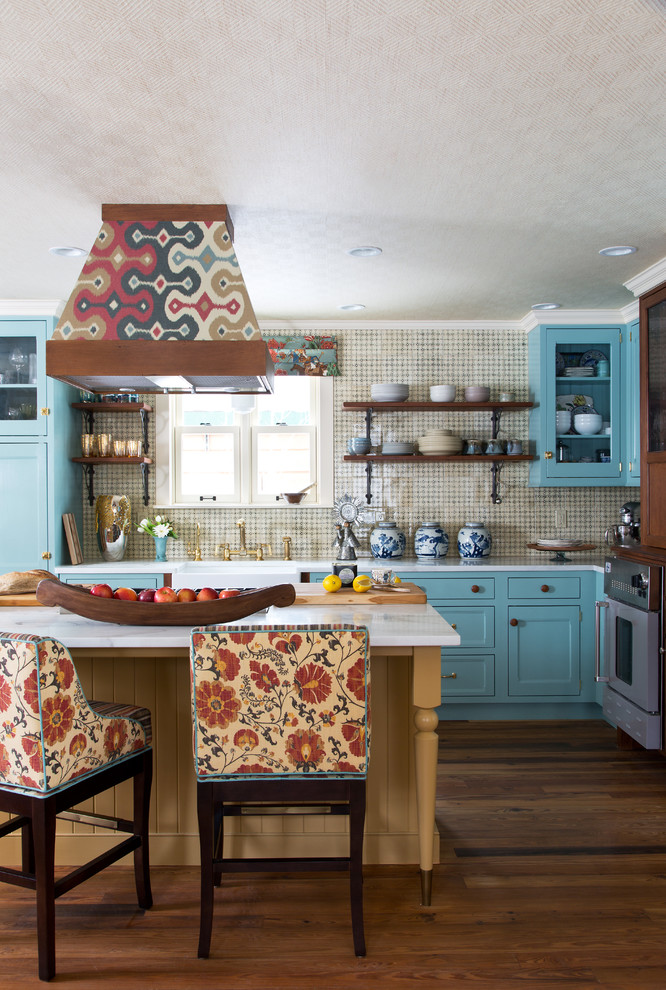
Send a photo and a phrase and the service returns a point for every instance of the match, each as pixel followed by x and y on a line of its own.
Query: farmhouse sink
pixel 235 574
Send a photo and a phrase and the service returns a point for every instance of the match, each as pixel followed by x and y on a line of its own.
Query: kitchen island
pixel 150 666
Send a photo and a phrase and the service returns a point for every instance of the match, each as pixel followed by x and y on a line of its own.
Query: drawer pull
pixel 513 622
pixel 451 677
pixel 475 589
pixel 545 588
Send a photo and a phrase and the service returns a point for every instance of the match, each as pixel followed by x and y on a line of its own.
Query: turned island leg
pixel 427 695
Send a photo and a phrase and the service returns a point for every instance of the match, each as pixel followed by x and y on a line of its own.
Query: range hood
pixel 161 306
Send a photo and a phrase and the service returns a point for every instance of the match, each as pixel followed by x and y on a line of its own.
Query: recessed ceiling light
pixel 546 305
pixel 68 252
pixel 364 252
pixel 352 306
pixel 618 251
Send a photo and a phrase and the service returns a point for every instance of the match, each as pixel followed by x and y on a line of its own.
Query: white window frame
pixel 165 456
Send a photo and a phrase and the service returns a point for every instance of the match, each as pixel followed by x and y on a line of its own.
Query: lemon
pixel 396 580
pixel 332 582
pixel 362 583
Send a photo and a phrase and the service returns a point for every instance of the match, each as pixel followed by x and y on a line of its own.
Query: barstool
pixel 280 717
pixel 59 749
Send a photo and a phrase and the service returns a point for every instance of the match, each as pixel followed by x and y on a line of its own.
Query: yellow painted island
pixel 149 666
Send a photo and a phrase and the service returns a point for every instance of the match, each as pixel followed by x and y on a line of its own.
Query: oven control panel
pixel 632 583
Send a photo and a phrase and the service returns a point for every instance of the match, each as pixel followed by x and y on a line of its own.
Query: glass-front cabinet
pixel 577 427
pixel 39 434
pixel 22 378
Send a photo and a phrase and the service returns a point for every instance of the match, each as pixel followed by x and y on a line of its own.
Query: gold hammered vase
pixel 113 519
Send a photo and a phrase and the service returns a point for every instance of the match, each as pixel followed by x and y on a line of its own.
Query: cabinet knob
pixel 547 454
pixel 46 555
pixel 513 622
pixel 453 625
pixel 475 589
pixel 545 588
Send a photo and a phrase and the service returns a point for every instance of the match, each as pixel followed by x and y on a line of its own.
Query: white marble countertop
pixel 533 560
pixel 388 625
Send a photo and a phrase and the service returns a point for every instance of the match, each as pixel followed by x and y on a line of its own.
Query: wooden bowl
pixel 204 613
pixel 293 497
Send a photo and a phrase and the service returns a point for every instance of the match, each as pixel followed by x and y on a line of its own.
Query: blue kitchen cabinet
pixel 527 642
pixel 569 459
pixel 544 651
pixel 39 482
pixel 23 497
pixel 23 384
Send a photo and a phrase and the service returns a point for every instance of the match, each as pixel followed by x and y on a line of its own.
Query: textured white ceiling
pixel 490 148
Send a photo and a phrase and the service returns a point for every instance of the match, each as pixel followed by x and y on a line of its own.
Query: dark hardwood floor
pixel 553 875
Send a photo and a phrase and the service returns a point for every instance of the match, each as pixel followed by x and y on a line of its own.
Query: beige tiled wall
pixel 450 494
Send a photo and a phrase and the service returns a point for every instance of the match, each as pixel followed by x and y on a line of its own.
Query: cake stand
pixel 560 551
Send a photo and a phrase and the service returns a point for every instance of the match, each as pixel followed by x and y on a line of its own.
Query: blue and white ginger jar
pixel 430 541
pixel 474 541
pixel 387 541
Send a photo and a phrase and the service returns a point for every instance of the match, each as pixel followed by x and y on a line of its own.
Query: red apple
pixel 147 595
pixel 165 595
pixel 102 591
pixel 187 595
pixel 206 594
pixel 126 594
pixel 229 593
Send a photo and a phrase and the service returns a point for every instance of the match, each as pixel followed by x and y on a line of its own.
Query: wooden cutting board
pixel 314 594
pixel 29 598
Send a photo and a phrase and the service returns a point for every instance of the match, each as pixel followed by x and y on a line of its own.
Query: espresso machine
pixel 628 531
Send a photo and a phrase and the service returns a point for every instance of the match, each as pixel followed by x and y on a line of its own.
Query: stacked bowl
pixel 397 447
pixel 442 393
pixel 439 442
pixel 477 393
pixel 389 392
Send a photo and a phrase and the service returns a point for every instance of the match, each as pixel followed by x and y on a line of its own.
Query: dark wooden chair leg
pixel 207 850
pixel 142 785
pixel 27 849
pixel 218 838
pixel 356 825
pixel 44 830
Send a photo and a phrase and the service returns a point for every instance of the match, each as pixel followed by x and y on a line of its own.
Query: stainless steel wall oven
pixel 632 636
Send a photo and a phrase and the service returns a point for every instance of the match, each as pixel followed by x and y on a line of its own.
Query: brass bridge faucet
pixel 257 552
pixel 195 551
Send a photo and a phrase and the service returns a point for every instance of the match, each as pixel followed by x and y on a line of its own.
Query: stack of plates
pixel 439 442
pixel 586 372
pixel 397 447
pixel 559 543
pixel 389 393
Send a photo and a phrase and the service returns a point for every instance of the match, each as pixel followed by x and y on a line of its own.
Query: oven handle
pixel 597 642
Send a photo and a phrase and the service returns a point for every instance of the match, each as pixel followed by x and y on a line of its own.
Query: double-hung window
pixel 246 450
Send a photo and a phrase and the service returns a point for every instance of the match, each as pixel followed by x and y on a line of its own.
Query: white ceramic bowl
pixel 563 420
pixel 587 424
pixel 442 393
pixel 477 393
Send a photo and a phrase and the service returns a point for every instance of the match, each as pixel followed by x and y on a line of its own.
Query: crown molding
pixel 648 279
pixel 323 326
pixel 31 307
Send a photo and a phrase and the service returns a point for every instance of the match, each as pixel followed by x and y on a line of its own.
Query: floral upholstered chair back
pixel 49 733
pixel 284 700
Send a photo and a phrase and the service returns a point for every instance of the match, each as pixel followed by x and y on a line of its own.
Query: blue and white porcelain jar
pixel 474 541
pixel 430 541
pixel 387 541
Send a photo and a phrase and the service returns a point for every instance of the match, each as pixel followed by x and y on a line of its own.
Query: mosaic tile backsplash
pixel 450 494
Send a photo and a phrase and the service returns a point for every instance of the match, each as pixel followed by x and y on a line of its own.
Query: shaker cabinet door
pixel 544 650
pixel 23 497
